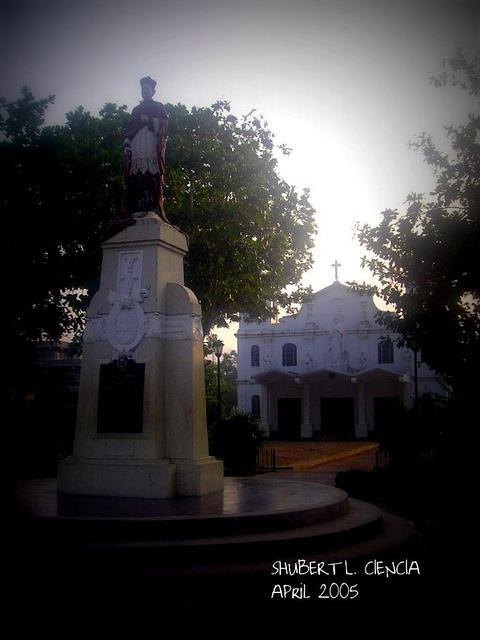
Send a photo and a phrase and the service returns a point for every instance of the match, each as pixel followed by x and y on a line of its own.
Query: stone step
pixel 361 522
pixel 394 538
pixel 258 522
pixel 246 506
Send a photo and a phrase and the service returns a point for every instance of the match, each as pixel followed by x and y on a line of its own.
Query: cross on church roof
pixel 336 264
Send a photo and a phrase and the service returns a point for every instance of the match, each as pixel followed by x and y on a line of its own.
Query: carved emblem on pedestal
pixel 197 329
pixel 125 324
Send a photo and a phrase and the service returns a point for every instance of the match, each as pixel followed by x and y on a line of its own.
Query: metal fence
pixel 266 461
pixel 382 458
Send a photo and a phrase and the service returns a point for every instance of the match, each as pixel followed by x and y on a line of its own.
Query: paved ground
pixel 302 456
pixel 305 454
pixel 307 461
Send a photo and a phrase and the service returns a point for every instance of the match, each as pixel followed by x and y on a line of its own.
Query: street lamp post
pixel 218 353
pixel 415 378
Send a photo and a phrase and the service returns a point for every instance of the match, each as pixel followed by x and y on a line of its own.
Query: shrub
pixel 412 432
pixel 237 440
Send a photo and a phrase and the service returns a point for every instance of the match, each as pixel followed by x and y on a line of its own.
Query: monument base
pixel 117 478
pixel 199 477
pixel 141 427
pixel 140 479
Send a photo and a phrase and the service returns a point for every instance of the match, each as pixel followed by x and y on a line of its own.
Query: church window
pixel 289 355
pixel 385 351
pixel 255 356
pixel 256 407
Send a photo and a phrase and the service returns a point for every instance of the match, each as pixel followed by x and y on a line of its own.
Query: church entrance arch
pixel 289 418
pixel 337 418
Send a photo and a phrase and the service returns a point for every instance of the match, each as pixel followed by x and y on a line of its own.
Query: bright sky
pixel 344 83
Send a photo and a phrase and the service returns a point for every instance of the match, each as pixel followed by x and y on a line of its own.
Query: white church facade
pixel 329 370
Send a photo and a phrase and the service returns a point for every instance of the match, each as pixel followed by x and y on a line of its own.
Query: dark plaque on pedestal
pixel 120 397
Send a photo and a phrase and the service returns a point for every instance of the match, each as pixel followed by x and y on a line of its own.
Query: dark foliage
pixel 237 440
pixel 250 234
pixel 426 258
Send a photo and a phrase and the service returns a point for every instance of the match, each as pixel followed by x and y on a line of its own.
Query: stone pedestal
pixel 141 424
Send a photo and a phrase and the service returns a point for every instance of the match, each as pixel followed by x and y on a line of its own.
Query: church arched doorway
pixel 289 418
pixel 337 418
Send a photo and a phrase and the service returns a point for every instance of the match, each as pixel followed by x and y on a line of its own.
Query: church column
pixel 265 408
pixel 272 409
pixel 307 428
pixel 407 397
pixel 361 427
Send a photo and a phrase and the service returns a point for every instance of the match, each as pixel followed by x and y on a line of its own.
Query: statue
pixel 336 338
pixel 337 356
pixel 362 361
pixel 144 154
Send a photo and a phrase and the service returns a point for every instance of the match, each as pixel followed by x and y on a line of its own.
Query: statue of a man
pixel 336 337
pixel 144 154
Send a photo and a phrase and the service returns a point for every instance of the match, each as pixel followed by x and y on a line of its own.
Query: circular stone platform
pixel 246 505
pixel 251 521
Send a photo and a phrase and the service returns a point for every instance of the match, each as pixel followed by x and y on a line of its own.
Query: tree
pixel 250 233
pixel 237 440
pixel 58 194
pixel 426 258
